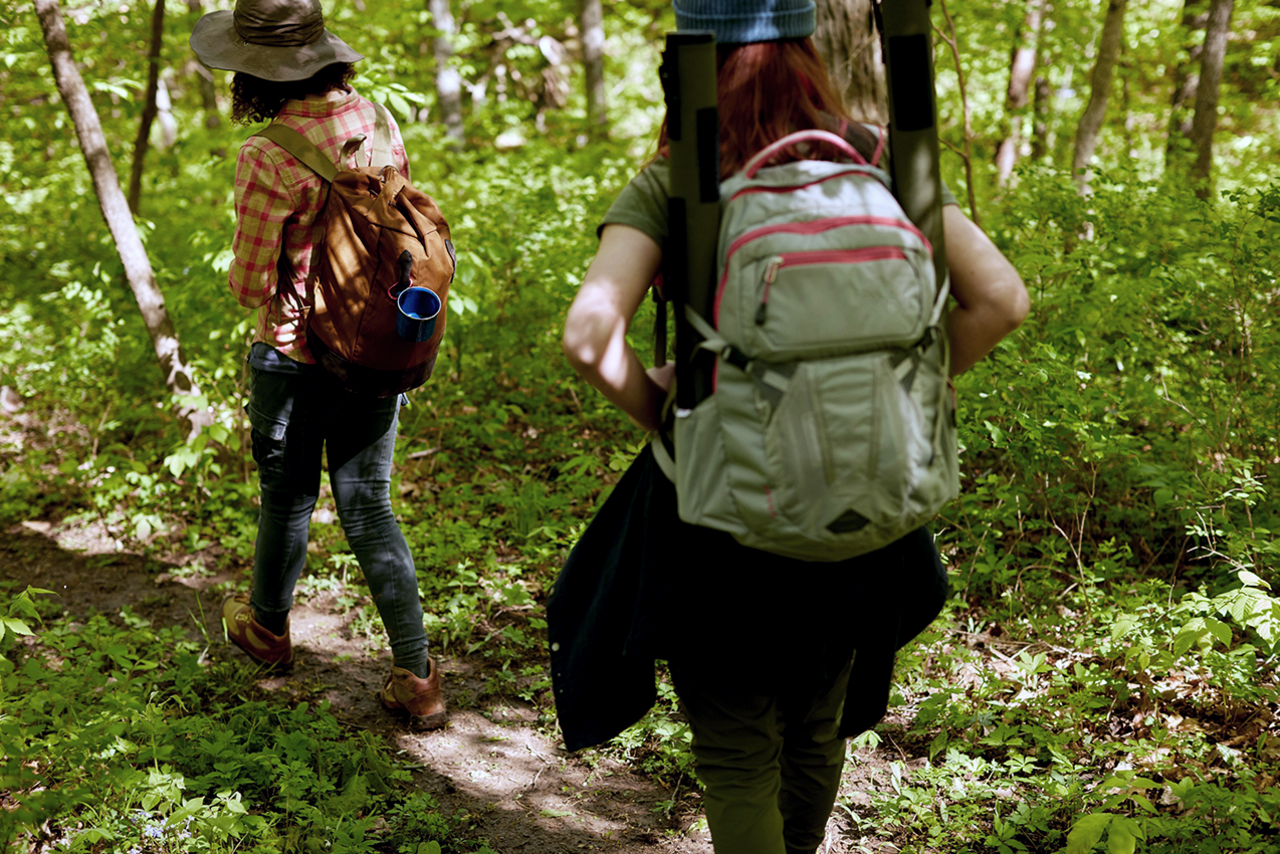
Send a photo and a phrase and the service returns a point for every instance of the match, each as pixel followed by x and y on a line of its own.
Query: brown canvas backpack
pixel 371 218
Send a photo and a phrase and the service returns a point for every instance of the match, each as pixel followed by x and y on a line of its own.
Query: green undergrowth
pixel 123 737
pixel 1150 724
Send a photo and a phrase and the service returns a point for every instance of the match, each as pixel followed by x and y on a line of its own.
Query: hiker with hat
pixel 760 647
pixel 292 71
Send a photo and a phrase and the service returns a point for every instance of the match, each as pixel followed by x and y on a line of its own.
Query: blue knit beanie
pixel 744 21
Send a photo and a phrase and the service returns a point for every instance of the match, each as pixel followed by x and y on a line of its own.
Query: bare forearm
pixel 595 331
pixel 618 374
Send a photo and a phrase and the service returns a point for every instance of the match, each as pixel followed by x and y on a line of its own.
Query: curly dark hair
pixel 256 100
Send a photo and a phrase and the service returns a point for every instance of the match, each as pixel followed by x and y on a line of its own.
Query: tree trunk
pixel 149 109
pixel 847 41
pixel 115 210
pixel 1040 124
pixel 1099 91
pixel 1126 98
pixel 164 115
pixel 552 91
pixel 1206 120
pixel 204 77
pixel 591 25
pixel 1022 65
pixel 1186 79
pixel 448 80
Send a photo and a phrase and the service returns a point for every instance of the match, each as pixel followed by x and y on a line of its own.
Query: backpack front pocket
pixel 824 288
pixel 805 302
pixel 834 441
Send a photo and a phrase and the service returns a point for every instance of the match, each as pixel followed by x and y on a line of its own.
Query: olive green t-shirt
pixel 642 203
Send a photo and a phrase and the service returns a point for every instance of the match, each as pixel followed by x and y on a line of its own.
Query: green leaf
pixel 1162 497
pixel 1186 639
pixel 1219 630
pixel 428 848
pixel 1248 579
pixel 1087 832
pixel 16 626
pixel 461 305
pixel 1131 826
pixel 1120 840
pixel 221 262
pixel 996 434
pixel 178 462
pixel 399 104
pixel 112 88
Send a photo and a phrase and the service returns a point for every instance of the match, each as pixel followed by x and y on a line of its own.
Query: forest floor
pixel 499 760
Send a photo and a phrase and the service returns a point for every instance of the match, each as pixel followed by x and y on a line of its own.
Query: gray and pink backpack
pixel 831 429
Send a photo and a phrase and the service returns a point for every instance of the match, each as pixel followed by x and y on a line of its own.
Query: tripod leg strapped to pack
pixel 688 75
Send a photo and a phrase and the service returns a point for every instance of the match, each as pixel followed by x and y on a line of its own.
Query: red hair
pixel 767 90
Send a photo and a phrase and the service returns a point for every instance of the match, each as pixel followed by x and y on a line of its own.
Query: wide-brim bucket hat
pixel 272 39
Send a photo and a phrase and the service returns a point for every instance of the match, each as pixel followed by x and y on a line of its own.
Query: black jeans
pixel 297 412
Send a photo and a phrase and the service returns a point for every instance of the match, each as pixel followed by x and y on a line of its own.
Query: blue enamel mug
pixel 417 317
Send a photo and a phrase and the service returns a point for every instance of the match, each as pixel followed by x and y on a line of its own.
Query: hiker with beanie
pixel 760 647
pixel 291 71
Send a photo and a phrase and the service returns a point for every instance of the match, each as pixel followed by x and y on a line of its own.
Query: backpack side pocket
pixel 702 489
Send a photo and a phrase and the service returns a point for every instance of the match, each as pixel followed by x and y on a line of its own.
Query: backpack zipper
pixel 770 273
pixel 822 256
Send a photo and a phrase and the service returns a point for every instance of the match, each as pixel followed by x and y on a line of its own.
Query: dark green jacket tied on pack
pixel 642 585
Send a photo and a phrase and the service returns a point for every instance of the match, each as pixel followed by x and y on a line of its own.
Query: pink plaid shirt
pixel 278 201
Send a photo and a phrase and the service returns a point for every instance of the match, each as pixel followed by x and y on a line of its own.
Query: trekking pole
pixel 688 76
pixel 906 36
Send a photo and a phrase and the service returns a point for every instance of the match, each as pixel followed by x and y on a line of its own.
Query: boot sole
pixel 428 722
pixel 435 720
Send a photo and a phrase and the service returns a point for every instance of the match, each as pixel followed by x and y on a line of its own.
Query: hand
pixel 659 383
pixel 663 375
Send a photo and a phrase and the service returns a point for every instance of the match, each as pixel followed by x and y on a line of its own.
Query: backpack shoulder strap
pixel 382 137
pixel 302 148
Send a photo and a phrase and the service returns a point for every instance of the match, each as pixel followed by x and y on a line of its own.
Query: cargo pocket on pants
pixel 270 407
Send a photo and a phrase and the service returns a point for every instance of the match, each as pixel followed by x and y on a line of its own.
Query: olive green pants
pixel 770 765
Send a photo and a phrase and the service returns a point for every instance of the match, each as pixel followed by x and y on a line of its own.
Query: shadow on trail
pixel 494 762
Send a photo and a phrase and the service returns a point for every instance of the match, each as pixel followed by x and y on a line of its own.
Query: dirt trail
pixel 522 790
pixel 494 761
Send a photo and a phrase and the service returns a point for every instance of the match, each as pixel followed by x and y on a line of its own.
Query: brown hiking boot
pixel 421 698
pixel 245 632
